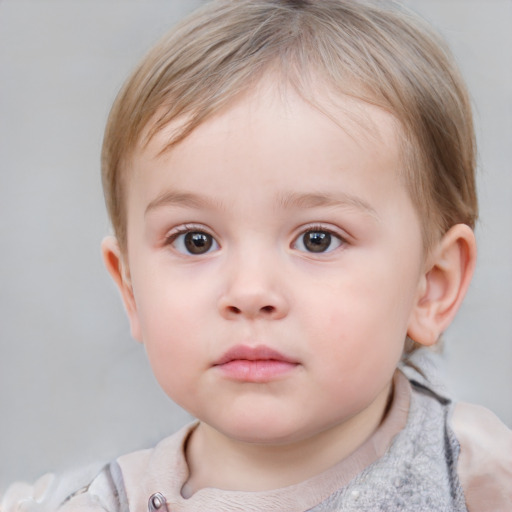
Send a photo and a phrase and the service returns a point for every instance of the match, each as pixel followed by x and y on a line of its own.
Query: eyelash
pixel 211 241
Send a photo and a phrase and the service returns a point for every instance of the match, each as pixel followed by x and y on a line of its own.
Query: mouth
pixel 257 364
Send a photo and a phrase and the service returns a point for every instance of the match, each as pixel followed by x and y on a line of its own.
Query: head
pixel 236 124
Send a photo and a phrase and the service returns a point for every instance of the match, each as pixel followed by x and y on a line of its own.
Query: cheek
pixel 164 299
pixel 166 327
pixel 173 357
pixel 363 317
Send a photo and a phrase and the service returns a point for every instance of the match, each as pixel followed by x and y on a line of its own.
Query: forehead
pixel 265 115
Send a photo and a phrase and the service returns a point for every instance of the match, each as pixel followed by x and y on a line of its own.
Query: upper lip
pixel 252 353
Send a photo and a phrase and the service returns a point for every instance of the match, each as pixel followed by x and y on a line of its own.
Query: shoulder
pixel 101 488
pixel 91 489
pixel 485 460
pixel 50 491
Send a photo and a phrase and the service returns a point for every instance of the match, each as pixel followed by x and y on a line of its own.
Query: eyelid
pixel 329 228
pixel 186 228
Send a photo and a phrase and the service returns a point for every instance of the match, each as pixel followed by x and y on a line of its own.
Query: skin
pixel 256 183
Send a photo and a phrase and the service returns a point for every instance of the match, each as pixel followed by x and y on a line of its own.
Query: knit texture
pixel 418 473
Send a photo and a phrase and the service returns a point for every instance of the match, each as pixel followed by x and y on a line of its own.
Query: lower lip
pixel 258 371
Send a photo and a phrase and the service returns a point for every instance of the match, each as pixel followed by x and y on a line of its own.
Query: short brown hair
pixel 373 50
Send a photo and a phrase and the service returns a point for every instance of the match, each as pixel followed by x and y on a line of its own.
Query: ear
pixel 442 288
pixel 118 269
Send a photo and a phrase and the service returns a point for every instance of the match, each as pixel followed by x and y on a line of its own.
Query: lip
pixel 254 364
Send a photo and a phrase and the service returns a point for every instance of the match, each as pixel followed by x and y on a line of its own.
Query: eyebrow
pixel 315 200
pixel 183 199
pixel 284 200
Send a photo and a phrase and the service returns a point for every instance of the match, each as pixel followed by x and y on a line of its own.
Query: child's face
pixel 272 233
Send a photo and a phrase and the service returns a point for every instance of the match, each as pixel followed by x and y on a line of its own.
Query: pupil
pixel 317 241
pixel 198 243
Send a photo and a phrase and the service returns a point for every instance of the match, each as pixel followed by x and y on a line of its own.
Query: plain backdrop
pixel 74 388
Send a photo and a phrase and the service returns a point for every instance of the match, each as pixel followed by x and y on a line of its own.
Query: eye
pixel 193 242
pixel 317 241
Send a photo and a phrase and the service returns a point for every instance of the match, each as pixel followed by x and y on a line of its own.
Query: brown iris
pixel 317 241
pixel 197 242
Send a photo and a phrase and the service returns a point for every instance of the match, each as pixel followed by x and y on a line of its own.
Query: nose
pixel 253 290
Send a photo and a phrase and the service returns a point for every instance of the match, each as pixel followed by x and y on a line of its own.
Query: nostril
pixel 264 309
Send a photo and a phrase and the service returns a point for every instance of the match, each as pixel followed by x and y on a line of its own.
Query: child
pixel 291 185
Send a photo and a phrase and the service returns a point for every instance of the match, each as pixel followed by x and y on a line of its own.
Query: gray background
pixel 74 388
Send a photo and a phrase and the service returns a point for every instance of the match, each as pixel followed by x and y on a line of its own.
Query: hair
pixel 375 51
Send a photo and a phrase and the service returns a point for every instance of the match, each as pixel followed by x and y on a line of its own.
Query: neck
pixel 218 461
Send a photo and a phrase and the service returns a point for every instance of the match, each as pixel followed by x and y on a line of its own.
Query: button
pixel 355 495
pixel 157 502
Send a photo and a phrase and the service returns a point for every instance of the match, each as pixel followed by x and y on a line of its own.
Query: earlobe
pixel 118 269
pixel 443 285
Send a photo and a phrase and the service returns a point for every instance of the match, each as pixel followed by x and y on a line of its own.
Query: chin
pixel 256 431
